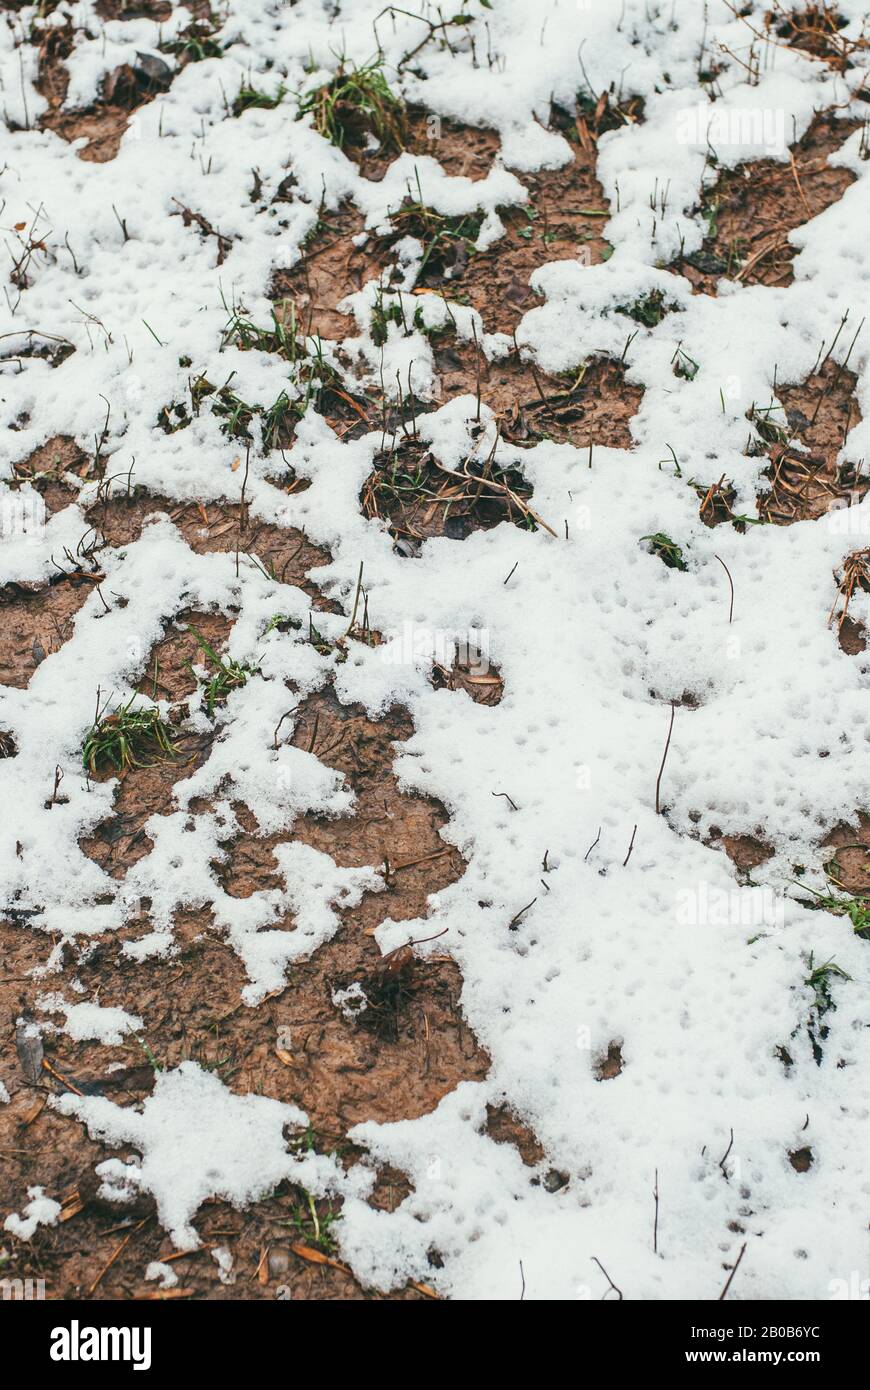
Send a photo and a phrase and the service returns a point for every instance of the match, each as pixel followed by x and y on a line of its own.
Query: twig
pixel 733 1272
pixel 631 846
pixel 726 1153
pixel 731 582
pixel 617 1291
pixel 116 1252
pixel 664 756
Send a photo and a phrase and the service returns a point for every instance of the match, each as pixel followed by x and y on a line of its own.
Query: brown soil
pixel 801 1160
pixel 611 1064
pixel 472 672
pixel 819 413
pixel 746 852
pixel 33 624
pixel 417 499
pixel 759 203
pixel 395 1061
pixel 568 211
pixel 564 217
pixel 223 528
pixel 45 468
pixel 463 150
pixel 852 637
pixel 853 576
pixel 119 841
pixel 561 221
pixel 849 865
pixel 504 1127
pixel 123 91
pixel 594 404
pixel 331 268
pixel 410 1047
pixel 813 29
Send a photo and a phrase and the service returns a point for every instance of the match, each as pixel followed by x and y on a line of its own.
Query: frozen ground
pixel 655 992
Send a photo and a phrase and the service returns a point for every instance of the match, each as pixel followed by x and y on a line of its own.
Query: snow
pixel 164 1273
pixel 198 1140
pixel 588 625
pixel 39 1211
pixel 91 1020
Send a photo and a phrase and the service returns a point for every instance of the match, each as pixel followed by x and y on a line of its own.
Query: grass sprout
pixel 227 676
pixel 130 736
pixel 357 102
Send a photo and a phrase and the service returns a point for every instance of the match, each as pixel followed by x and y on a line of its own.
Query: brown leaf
pixel 424 1289
pixel 33 1113
pixel 316 1257
pixel 30 1053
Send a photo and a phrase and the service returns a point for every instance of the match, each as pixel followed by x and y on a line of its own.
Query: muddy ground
pixel 415 1046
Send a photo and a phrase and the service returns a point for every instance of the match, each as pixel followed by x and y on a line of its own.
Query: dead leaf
pixel 30 1051
pixel 316 1257
pixel 424 1289
pixel 71 1207
pixel 33 1113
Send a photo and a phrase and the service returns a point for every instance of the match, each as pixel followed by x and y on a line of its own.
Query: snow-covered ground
pixel 700 979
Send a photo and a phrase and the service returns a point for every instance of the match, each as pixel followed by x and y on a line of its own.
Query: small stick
pixel 731 582
pixel 243 513
pixel 733 1272
pixel 727 1152
pixel 356 600
pixel 477 366
pixel 608 1278
pixel 515 920
pixel 664 756
pixel 592 846
pixel 284 716
pixel 116 1252
pixel 656 1220
pixel 631 846
pixel 57 1076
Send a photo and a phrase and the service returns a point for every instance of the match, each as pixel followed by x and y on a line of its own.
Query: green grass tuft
pixel 228 675
pixel 667 550
pixel 358 102
pixel 131 736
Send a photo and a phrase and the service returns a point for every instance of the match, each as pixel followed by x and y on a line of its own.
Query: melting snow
pixel 588 624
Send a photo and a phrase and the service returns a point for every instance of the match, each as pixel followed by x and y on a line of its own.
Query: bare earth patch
pixel 753 207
